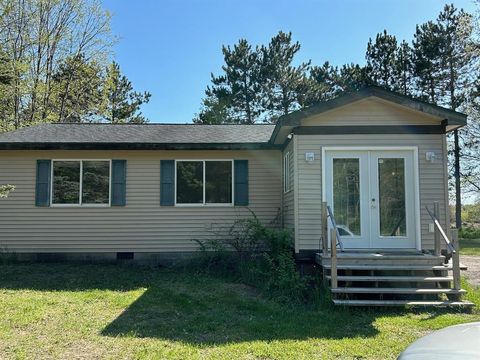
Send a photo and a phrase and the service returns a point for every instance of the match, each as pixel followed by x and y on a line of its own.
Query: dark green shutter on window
pixel 42 186
pixel 167 182
pixel 241 182
pixel 119 182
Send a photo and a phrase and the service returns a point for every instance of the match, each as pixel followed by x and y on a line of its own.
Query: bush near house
pixel 257 255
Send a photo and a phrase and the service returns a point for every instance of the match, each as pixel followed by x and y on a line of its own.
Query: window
pixel 204 182
pixel 81 182
pixel 287 184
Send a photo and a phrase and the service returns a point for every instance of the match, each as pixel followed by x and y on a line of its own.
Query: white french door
pixel 372 195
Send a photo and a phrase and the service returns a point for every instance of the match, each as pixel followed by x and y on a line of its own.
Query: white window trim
pixel 287 184
pixel 204 204
pixel 80 204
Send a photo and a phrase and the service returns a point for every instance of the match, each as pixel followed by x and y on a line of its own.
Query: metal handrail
pixel 450 247
pixel 334 225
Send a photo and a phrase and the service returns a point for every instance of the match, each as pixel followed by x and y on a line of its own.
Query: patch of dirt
pixel 473 265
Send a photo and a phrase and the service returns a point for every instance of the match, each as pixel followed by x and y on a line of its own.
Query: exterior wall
pixel 142 225
pixel 288 197
pixel 371 111
pixel 432 178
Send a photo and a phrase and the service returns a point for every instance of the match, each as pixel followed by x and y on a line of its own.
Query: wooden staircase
pixel 391 279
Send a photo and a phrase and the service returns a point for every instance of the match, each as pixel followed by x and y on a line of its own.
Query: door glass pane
pixel 391 190
pixel 66 182
pixel 346 195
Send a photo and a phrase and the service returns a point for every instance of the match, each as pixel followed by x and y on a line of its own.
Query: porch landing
pixel 391 278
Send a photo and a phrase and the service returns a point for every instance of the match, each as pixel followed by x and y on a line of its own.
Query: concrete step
pixel 370 290
pixel 394 278
pixel 461 304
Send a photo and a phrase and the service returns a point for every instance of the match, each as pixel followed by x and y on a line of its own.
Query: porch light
pixel 309 157
pixel 430 156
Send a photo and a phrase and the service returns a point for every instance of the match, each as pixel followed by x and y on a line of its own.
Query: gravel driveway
pixel 473 272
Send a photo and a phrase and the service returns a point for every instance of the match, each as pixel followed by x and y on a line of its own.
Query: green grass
pixel 470 246
pixel 104 311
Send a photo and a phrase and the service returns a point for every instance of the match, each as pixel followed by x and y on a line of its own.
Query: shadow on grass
pixel 231 313
pixel 194 308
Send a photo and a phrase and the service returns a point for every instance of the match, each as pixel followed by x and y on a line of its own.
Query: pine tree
pixel 353 77
pixel 282 82
pixel 320 85
pixel 215 110
pixel 238 88
pixel 77 93
pixel 381 59
pixel 404 69
pixel 121 103
pixel 427 62
pixel 454 33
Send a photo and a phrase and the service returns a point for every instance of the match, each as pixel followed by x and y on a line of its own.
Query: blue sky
pixel 170 47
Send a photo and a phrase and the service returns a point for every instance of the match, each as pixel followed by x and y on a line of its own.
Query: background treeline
pixel 440 65
pixel 54 65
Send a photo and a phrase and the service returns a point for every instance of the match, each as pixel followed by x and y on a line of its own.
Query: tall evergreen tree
pixel 282 82
pixel 215 110
pixel 238 88
pixel 427 62
pixel 352 77
pixel 404 68
pixel 77 90
pixel 454 32
pixel 320 85
pixel 382 61
pixel 121 102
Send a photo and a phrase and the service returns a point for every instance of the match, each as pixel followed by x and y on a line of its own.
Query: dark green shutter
pixel 241 182
pixel 42 186
pixel 167 182
pixel 119 182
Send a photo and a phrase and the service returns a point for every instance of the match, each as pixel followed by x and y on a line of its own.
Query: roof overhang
pixel 134 146
pixel 451 120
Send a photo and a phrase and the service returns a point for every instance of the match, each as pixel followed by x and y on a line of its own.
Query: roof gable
pixel 450 118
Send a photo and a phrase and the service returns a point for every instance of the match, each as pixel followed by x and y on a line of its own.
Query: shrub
pixel 257 255
pixel 469 233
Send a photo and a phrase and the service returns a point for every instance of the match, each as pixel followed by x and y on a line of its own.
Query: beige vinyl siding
pixel 142 225
pixel 371 111
pixel 432 179
pixel 288 197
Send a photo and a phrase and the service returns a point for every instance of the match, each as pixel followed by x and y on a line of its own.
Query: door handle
pixel 373 204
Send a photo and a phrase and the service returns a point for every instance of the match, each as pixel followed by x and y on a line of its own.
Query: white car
pixel 453 342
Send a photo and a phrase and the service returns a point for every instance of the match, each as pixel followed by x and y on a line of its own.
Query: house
pixel 376 158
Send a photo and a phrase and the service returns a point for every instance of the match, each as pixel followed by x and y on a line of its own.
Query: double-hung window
pixel 204 182
pixel 81 182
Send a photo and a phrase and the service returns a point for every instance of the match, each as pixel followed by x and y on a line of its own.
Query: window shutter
pixel 42 186
pixel 119 182
pixel 167 182
pixel 241 182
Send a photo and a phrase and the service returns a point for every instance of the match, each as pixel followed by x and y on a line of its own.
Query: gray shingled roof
pixel 134 134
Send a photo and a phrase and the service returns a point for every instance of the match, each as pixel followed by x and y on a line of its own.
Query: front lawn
pixel 106 311
pixel 470 246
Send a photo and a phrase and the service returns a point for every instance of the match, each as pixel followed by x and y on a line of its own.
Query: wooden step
pixel 371 290
pixel 384 260
pixel 394 278
pixel 464 304
pixel 390 267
